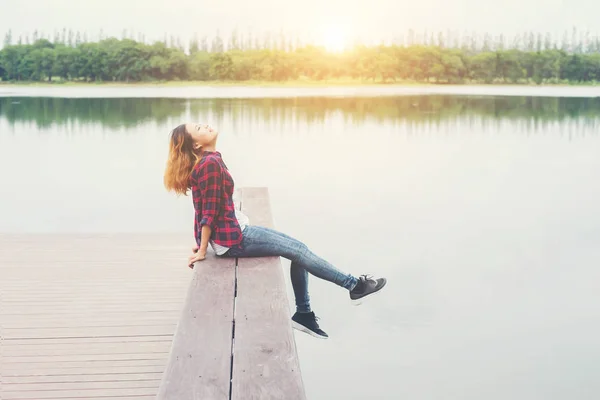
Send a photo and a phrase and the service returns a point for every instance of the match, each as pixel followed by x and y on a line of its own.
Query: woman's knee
pixel 299 248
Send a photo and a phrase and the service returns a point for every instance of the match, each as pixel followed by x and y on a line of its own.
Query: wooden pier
pixel 116 317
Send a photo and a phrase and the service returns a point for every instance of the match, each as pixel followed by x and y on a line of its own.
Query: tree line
pixel 441 58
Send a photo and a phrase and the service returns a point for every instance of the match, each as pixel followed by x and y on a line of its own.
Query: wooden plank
pixel 78 393
pixel 199 365
pixel 136 397
pixel 58 341
pixel 51 386
pixel 66 358
pixel 265 361
pixel 15 321
pixel 86 348
pixel 61 300
pixel 88 332
pixel 111 311
pixel 92 369
pixel 104 319
pixel 101 397
pixel 116 289
pixel 109 377
pixel 101 290
pixel 100 307
pixel 75 305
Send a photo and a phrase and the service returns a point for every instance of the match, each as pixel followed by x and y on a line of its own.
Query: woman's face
pixel 203 135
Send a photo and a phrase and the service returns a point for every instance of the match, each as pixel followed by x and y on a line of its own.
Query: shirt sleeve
pixel 210 183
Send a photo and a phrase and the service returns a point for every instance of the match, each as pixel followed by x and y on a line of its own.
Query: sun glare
pixel 334 39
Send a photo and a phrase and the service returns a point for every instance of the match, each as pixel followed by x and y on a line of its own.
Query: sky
pixel 315 20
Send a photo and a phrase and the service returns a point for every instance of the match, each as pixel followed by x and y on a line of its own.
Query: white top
pixel 243 220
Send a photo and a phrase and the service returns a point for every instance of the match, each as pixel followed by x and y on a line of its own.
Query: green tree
pixel 508 66
pixel 65 58
pixel 199 66
pixel 483 67
pixel 221 66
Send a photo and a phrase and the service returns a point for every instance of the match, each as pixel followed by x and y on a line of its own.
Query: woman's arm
pixel 210 184
pixel 200 252
pixel 206 232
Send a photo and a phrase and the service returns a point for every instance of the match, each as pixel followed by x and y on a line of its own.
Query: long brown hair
pixel 181 162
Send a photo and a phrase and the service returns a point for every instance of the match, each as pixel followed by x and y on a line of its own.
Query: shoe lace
pixel 314 316
pixel 366 277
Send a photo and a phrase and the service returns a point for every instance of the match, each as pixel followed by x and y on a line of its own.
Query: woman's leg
pixel 260 242
pixel 299 278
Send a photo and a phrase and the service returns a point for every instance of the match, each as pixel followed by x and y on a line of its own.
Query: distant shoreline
pixel 216 83
pixel 280 84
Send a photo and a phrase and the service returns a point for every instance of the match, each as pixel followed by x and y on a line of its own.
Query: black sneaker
pixel 307 323
pixel 366 285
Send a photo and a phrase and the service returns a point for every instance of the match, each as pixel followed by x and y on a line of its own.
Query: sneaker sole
pixel 360 301
pixel 304 329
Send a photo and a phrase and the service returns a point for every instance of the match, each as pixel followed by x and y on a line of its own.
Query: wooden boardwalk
pixel 116 317
pixel 89 316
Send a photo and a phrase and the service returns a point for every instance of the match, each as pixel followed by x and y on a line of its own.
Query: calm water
pixel 483 212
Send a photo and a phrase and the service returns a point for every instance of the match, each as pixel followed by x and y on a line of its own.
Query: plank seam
pixel 233 325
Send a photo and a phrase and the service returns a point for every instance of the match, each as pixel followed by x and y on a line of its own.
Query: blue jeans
pixel 263 242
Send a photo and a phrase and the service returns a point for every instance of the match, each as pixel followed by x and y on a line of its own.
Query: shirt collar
pixel 207 153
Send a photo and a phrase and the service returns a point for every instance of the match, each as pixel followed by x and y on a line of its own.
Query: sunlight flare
pixel 334 39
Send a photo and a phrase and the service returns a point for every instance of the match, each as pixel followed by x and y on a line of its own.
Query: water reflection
pixel 533 113
pixel 46 112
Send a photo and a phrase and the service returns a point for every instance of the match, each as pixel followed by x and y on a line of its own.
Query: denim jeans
pixel 262 242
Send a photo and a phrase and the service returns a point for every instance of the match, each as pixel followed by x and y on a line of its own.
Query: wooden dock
pixel 100 317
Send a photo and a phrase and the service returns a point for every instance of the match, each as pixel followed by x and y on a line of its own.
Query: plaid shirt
pixel 212 192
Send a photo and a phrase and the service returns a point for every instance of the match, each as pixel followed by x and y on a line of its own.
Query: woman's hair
pixel 181 162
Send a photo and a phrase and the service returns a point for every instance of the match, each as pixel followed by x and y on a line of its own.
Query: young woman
pixel 195 165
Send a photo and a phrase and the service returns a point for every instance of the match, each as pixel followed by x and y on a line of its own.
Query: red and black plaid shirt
pixel 212 192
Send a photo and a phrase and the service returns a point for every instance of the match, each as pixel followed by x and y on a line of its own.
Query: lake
pixel 482 211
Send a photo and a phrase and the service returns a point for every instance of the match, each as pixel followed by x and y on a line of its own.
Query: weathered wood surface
pixel 265 361
pixel 199 365
pixel 88 316
pixel 94 316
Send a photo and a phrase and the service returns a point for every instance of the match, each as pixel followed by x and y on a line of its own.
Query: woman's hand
pixel 198 255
